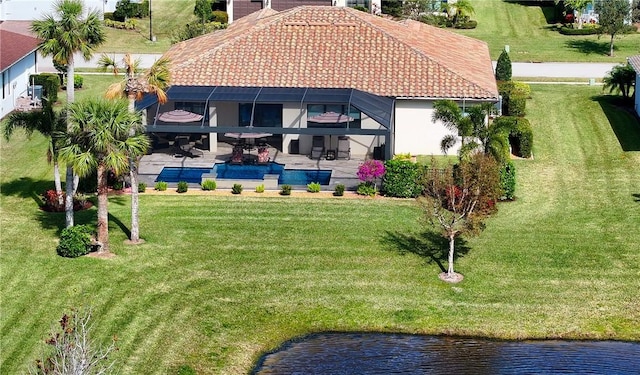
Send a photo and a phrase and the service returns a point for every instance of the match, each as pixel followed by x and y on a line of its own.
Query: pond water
pixel 379 353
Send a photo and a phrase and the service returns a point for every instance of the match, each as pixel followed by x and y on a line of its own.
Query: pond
pixel 379 353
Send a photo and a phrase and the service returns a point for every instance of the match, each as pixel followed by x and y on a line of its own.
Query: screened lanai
pixel 279 111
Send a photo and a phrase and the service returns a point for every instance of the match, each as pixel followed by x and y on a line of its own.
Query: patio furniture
pixel 237 154
pixel 263 155
pixel 344 148
pixel 317 147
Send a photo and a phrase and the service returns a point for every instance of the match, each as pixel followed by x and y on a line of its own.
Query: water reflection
pixel 377 353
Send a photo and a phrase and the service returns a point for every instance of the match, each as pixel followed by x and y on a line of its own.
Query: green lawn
pixel 530 38
pixel 221 280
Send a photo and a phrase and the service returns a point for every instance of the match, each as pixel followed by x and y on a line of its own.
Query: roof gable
pixel 634 61
pixel 331 47
pixel 14 47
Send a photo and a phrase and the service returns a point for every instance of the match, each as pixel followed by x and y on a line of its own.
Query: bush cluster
pixel 313 187
pixel 127 9
pixel 183 186
pixel 564 30
pixel 78 81
pixel 209 185
pixel 75 241
pixel 129 24
pixel 514 97
pixel 236 189
pixel 520 136
pixel 339 190
pixel 142 187
pixel 402 179
pixel 366 188
pixel 470 24
pixel 285 190
pixel 260 188
pixel 161 186
pixel 219 16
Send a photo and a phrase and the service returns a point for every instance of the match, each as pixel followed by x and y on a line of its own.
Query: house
pixel 18 60
pixel 277 70
pixel 237 9
pixel 634 61
pixel 23 10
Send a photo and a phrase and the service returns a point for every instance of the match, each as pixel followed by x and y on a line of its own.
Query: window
pixel 265 115
pixel 318 109
pixel 361 3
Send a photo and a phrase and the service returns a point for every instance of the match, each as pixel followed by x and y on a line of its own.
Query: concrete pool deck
pixel 343 171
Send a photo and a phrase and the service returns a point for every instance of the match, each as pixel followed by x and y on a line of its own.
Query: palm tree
pixel 100 139
pixel 472 129
pixel 620 80
pixel 133 86
pixel 63 34
pixel 460 9
pixel 46 122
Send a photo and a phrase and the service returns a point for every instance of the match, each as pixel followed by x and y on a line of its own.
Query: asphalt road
pixel 550 70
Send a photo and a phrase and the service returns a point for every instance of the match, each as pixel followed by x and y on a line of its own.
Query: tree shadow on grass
pixel 636 197
pixel 622 120
pixel 590 47
pixel 429 245
pixel 27 187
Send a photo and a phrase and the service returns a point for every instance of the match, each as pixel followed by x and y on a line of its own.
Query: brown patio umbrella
pixel 330 118
pixel 179 115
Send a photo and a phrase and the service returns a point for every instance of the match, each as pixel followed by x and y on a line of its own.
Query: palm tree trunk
pixel 71 97
pixel 57 182
pixel 452 239
pixel 68 203
pixel 103 210
pixel 135 206
pixel 133 173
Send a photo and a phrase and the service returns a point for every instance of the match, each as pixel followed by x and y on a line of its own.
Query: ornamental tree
pixel 503 67
pixel 612 17
pixel 457 203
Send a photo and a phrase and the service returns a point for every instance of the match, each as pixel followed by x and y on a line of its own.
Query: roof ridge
pixel 407 23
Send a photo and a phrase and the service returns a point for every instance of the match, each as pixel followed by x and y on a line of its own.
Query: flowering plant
pixel 371 170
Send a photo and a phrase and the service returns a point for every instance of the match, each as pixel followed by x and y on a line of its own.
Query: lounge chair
pixel 317 147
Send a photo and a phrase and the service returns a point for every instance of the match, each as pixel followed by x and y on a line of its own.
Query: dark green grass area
pixel 221 280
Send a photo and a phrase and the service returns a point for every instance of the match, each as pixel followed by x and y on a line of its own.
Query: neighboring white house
pixel 634 61
pixel 24 10
pixel 276 70
pixel 18 60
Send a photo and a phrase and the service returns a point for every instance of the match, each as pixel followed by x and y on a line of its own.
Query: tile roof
pixel 337 47
pixel 14 45
pixel 635 62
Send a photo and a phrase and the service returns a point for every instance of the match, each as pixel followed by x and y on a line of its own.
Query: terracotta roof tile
pixel 334 47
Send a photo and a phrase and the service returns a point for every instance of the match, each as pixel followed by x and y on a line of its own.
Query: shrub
pixel 471 24
pixel 118 185
pixel 75 241
pixel 78 81
pixel 517 105
pixel 521 138
pixel 219 16
pixel 209 185
pixel 183 186
pixel 260 188
pixel 51 201
pixel 521 89
pixel 508 181
pixel 107 16
pixel 366 188
pixel 503 67
pixel 313 187
pixel 436 20
pixel 402 179
pixel 371 170
pixel 161 186
pixel 361 8
pixel 339 190
pixel 285 190
pixel 584 31
pixel 236 189
pixel 142 187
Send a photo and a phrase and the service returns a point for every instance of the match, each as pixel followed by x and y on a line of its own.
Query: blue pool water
pixel 245 172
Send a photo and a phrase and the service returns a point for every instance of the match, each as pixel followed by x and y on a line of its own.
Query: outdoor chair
pixel 317 147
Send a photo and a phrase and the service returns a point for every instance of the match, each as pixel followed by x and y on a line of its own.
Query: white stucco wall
pixel 415 131
pixel 22 10
pixel 15 80
pixel 637 94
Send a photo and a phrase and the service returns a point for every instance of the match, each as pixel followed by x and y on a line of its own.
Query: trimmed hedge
pixel 584 31
pixel 401 179
pixel 514 97
pixel 521 138
pixel 516 105
pixel 471 24
pixel 508 181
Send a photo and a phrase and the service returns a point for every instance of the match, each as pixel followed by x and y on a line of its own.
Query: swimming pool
pixel 246 172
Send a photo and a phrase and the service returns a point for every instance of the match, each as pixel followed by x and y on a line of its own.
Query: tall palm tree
pixel 134 85
pixel 46 122
pixel 100 139
pixel 63 34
